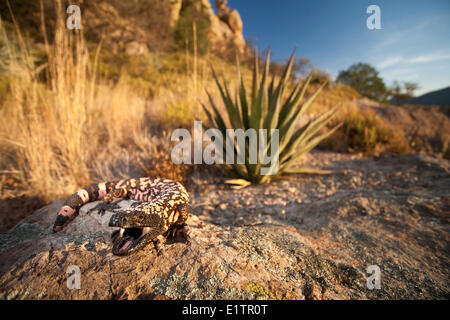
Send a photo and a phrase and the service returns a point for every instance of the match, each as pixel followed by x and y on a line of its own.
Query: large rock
pixel 298 238
pixel 175 10
pixel 225 28
pixel 136 27
pixel 119 29
pixel 231 17
pixel 216 262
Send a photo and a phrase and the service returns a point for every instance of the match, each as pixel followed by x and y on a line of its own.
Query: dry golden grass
pixel 62 127
pixel 52 130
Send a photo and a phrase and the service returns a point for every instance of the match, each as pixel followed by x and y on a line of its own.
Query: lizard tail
pixel 78 199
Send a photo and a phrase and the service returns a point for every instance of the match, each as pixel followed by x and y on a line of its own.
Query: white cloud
pixel 403 74
pixel 398 34
pixel 432 57
pixel 399 62
pixel 410 53
pixel 389 62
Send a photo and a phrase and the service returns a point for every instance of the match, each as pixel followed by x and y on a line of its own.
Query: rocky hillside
pixel 299 238
pixel 426 129
pixel 437 98
pixel 139 26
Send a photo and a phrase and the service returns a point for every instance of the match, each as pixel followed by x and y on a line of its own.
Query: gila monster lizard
pixel 164 208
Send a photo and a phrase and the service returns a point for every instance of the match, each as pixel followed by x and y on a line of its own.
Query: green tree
pixel 365 79
pixel 402 92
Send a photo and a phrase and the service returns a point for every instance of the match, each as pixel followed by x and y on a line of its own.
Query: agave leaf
pixel 305 149
pixel 264 91
pixel 238 183
pixel 259 106
pixel 219 119
pixel 324 119
pixel 239 169
pixel 232 112
pixel 256 113
pixel 307 171
pixel 272 117
pixel 209 115
pixel 283 82
pixel 288 145
pixel 255 79
pixel 304 134
pixel 237 103
pixel 292 96
pixel 238 187
pixel 271 90
pixel 290 123
pixel 311 127
pixel 291 105
pixel 231 170
pixel 274 102
pixel 232 109
pixel 244 103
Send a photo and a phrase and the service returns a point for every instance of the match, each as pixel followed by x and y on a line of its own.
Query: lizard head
pixel 138 228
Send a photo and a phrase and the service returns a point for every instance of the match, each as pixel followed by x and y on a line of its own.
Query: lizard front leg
pixel 116 193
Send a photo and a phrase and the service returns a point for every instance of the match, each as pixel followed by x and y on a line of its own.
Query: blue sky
pixel 413 44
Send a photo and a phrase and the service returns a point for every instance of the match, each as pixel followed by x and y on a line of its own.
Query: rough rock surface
pixel 136 27
pixel 309 237
pixel 231 17
pixel 225 28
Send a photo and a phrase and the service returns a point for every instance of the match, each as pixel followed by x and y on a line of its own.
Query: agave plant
pixel 267 108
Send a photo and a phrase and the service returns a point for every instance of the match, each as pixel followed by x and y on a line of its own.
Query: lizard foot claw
pixel 105 206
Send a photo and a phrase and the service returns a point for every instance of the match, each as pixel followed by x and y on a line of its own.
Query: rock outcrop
pixel 298 238
pixel 139 26
pixel 225 28
pixel 231 17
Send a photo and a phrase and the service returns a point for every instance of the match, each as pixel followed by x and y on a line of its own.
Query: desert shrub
pixel 152 16
pixel 319 76
pixel 152 153
pixel 364 132
pixel 162 166
pixel 184 31
pixel 181 114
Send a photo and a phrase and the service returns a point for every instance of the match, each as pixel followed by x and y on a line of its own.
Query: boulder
pixel 231 17
pixel 388 212
pixel 225 28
